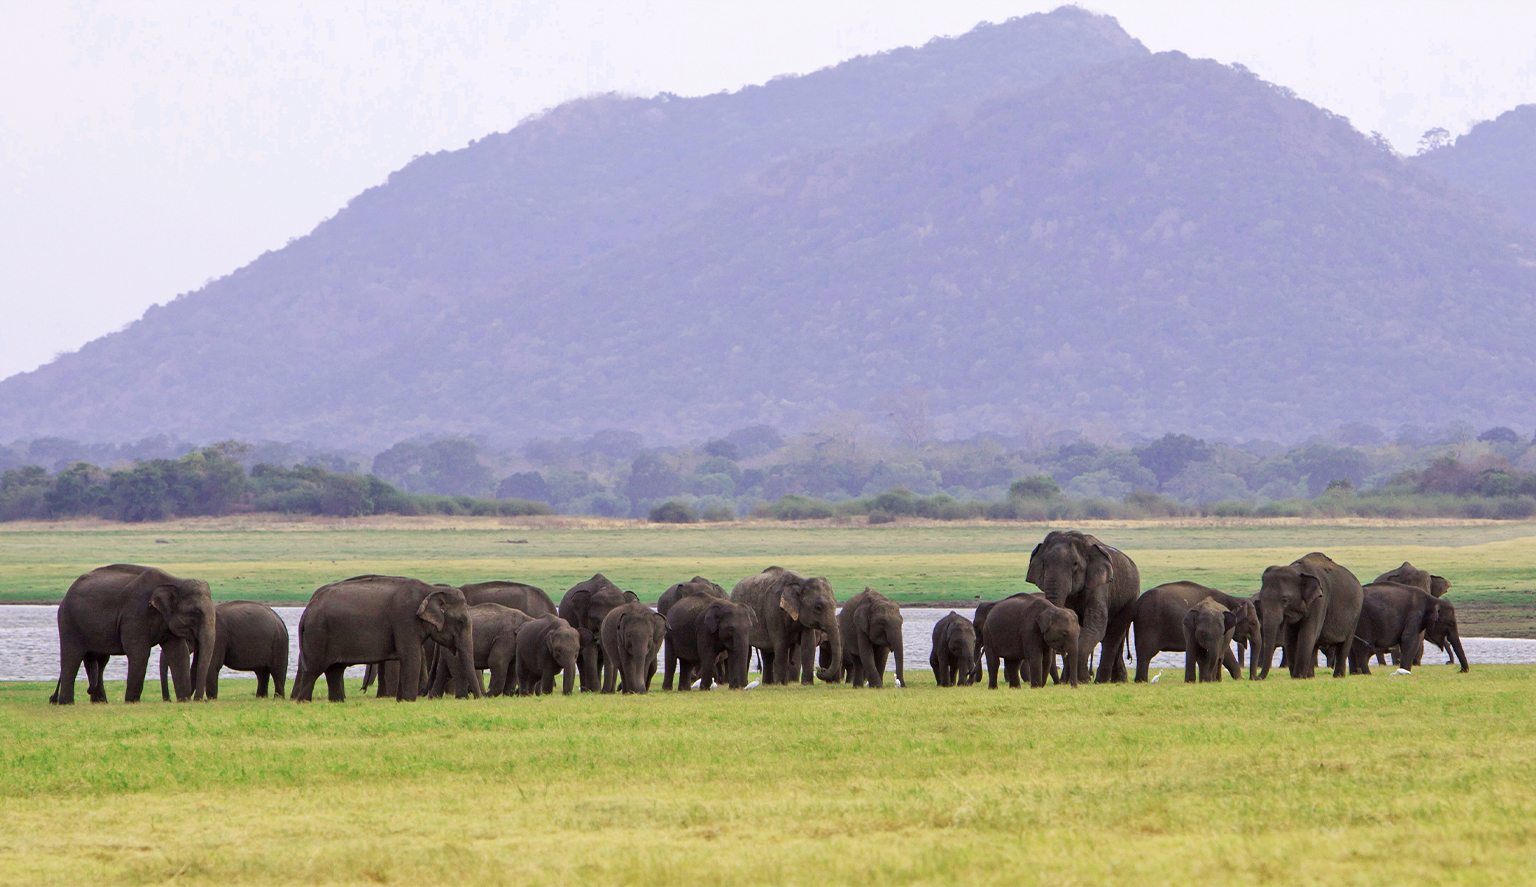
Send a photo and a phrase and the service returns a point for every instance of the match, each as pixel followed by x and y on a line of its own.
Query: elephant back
pixel 530 599
pixel 698 585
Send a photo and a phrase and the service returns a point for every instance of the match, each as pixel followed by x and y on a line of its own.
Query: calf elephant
pixel 871 627
pixel 1158 620
pixel 1208 628
pixel 787 607
pixel 1096 582
pixel 696 585
pixel 128 610
pixel 495 638
pixel 702 632
pixel 247 637
pixel 379 619
pixel 631 637
pixel 1028 630
pixel 1310 604
pixel 546 646
pixel 1399 616
pixel 583 608
pixel 954 650
pixel 529 599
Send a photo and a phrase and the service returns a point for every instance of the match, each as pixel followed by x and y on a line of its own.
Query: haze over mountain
pixel 1496 159
pixel 1034 218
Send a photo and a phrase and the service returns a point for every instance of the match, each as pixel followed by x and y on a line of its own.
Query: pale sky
pixel 148 147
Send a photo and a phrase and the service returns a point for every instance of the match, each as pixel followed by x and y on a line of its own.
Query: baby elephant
pixel 870 625
pixel 546 646
pixel 1028 630
pixel 494 629
pixel 709 636
pixel 1208 629
pixel 631 639
pixel 247 637
pixel 954 650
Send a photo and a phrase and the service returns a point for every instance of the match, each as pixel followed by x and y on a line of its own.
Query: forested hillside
pixel 1496 159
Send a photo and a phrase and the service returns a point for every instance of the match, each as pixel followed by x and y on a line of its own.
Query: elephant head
pixel 1060 631
pixel 1443 633
pixel 445 620
pixel 1287 596
pixel 563 644
pixel 960 644
pixel 731 624
pixel 1247 630
pixel 639 633
pixel 1067 564
pixel 810 603
pixel 186 607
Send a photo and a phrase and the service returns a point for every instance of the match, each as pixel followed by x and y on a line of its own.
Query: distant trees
pixel 449 466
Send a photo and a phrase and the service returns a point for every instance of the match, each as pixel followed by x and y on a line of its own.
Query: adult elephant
pixel 1096 582
pixel 583 608
pixel 871 627
pixel 1310 604
pixel 546 646
pixel 704 632
pixel 1413 577
pixel 529 599
pixel 696 585
pixel 379 619
pixel 953 653
pixel 495 638
pixel 1157 618
pixel 1027 630
pixel 788 607
pixel 631 637
pixel 128 610
pixel 1400 616
pixel 247 637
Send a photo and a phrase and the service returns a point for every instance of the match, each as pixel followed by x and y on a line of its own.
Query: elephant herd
pixel 416 637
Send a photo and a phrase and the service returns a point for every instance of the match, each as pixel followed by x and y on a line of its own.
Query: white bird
pixel 1155 677
pixel 751 685
pixel 696 684
pixel 1402 671
pixel 899 683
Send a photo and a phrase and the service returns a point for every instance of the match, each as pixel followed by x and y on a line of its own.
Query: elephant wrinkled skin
pixel 1028 630
pixel 247 637
pixel 953 654
pixel 583 608
pixel 1307 605
pixel 1208 628
pixel 1157 618
pixel 788 608
pixel 631 637
pixel 871 627
pixel 546 646
pixel 1096 582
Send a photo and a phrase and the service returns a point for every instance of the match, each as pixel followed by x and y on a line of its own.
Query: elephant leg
pixel 69 670
pixel 991 669
pixel 671 657
pixel 807 660
pixel 782 657
pixel 1011 666
pixel 767 664
pixel 279 679
pixel 138 664
pixel 213 680
pixel 1144 654
pixel 95 678
pixel 1095 622
pixel 335 683
pixel 263 676
pixel 1230 663
pixel 1340 659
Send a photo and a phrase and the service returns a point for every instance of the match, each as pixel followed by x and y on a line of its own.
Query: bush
pixel 673 512
pixel 1036 486
pixel 797 507
pixel 881 517
pixel 716 513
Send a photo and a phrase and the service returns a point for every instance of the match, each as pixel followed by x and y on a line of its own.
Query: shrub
pixel 1036 486
pixel 881 517
pixel 673 512
pixel 797 507
pixel 718 513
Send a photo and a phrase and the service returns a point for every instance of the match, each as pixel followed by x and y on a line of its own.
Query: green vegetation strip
pixel 1365 780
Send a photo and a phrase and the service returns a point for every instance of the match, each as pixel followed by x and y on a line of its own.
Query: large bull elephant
pixel 247 637
pixel 1310 604
pixel 1158 620
pixel 128 610
pixel 788 608
pixel 380 619
pixel 1096 582
pixel 871 627
pixel 583 608
pixel 1394 616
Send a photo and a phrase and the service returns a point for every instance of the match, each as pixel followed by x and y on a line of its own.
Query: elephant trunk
pixel 202 657
pixel 1071 656
pixel 464 655
pixel 834 672
pixel 901 670
pixel 1269 639
pixel 568 680
pixel 1453 637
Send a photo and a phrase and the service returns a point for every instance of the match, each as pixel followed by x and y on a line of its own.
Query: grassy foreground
pixel 1492 563
pixel 1367 780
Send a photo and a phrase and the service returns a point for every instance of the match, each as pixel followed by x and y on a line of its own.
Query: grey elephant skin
pixel 1093 580
pixel 1156 619
pixel 379 619
pixel 1400 616
pixel 696 585
pixel 529 599
pixel 1308 605
pixel 953 654
pixel 584 607
pixel 1027 631
pixel 128 610
pixel 247 637
pixel 495 639
pixel 546 646
pixel 704 632
pixel 788 607
pixel 1208 628
pixel 871 627
pixel 1408 574
pixel 631 636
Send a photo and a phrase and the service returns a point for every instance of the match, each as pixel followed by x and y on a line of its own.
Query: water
pixel 29 646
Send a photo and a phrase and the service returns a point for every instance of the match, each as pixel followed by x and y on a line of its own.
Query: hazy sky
pixel 147 147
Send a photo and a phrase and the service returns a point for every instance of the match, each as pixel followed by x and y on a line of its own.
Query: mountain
pixel 279 348
pixel 1496 159
pixel 1106 236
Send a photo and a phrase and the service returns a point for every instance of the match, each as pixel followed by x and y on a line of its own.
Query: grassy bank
pixel 1365 780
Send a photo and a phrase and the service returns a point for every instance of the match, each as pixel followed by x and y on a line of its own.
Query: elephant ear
pixel 1311 591
pixel 1231 618
pixel 1036 568
pixel 631 598
pixel 163 599
pixel 789 601
pixel 1101 566
pixel 431 609
pixel 712 616
pixel 1190 617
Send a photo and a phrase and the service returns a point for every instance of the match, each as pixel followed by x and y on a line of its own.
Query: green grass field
pixel 1492 564
pixel 1365 780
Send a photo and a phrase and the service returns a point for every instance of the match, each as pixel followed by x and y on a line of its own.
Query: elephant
pixel 1310 604
pixel 1027 629
pixel 1096 582
pixel 1394 615
pixel 871 627
pixel 631 636
pixel 583 608
pixel 1158 620
pixel 1208 628
pixel 529 599
pixel 379 619
pixel 247 637
pixel 696 585
pixel 954 650
pixel 127 610
pixel 787 607
pixel 546 646
pixel 1408 574
pixel 495 636
pixel 703 631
